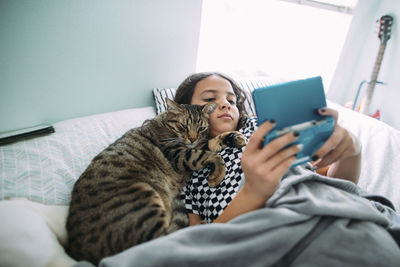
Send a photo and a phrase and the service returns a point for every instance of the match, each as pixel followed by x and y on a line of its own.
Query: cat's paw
pixel 217 167
pixel 231 139
pixel 234 139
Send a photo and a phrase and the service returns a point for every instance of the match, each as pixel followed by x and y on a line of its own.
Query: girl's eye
pixel 209 99
pixel 232 102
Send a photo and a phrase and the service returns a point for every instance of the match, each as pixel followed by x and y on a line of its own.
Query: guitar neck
pixel 372 83
pixel 378 63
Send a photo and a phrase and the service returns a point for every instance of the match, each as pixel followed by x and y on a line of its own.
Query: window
pixel 287 39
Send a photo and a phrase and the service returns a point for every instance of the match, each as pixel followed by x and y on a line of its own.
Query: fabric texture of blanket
pixel 311 220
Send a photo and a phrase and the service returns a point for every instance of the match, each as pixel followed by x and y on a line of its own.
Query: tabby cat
pixel 130 192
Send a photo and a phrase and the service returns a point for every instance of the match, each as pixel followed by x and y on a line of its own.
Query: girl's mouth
pixel 225 115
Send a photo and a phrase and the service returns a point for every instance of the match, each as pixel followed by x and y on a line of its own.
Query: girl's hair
pixel 185 92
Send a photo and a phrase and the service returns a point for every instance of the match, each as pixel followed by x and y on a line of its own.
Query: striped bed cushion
pixel 248 85
pixel 159 95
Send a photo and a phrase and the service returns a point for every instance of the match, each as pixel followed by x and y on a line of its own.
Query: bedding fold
pixel 357 233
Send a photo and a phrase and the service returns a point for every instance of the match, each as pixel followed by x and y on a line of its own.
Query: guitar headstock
pixel 385 28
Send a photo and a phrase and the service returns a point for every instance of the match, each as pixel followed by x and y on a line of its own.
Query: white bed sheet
pixel 380 153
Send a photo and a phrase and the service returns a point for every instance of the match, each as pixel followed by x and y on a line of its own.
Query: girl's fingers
pixel 329 112
pixel 257 137
pixel 276 145
pixel 334 139
pixel 332 142
pixel 260 161
pixel 283 155
pixel 283 166
pixel 333 155
pixel 339 145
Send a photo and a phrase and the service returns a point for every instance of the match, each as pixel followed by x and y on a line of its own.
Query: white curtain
pixel 358 58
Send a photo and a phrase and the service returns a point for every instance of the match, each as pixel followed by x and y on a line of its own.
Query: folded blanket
pixel 311 220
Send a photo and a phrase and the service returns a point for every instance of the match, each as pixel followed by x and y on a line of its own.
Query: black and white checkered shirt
pixel 209 202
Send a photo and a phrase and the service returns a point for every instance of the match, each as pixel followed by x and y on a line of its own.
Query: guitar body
pixel 385 27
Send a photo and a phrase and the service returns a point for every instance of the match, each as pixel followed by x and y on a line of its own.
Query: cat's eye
pixel 181 127
pixel 202 129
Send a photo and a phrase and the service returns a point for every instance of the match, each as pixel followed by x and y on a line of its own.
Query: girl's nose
pixel 224 104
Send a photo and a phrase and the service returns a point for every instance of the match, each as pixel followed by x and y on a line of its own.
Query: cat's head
pixel 189 122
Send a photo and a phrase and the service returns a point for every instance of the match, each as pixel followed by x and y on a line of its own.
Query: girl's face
pixel 217 89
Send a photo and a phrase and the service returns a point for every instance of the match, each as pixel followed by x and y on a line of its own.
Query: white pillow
pixel 44 169
pixel 32 234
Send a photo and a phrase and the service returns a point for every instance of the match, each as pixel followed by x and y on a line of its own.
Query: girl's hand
pixel 265 166
pixel 340 145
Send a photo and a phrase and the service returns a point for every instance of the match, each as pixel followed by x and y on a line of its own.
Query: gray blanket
pixel 311 220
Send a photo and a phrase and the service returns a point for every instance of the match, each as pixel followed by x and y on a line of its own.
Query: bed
pixel 37 176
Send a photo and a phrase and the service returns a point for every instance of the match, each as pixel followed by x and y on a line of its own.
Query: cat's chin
pixel 191 145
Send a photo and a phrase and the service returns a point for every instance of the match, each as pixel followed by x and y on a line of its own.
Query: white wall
pixel 61 59
pixel 358 58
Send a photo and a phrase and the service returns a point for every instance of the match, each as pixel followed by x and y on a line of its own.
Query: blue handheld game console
pixel 294 106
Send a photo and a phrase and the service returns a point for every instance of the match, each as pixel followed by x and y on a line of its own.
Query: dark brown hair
pixel 185 92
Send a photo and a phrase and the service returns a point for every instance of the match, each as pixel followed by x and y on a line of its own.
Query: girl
pixel 252 176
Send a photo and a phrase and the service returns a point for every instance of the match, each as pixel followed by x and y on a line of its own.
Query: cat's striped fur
pixel 129 193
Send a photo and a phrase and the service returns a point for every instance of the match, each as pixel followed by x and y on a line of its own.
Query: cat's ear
pixel 173 106
pixel 210 107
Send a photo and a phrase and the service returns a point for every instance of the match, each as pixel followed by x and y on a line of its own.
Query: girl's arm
pixel 348 169
pixel 263 168
pixel 243 202
pixel 194 219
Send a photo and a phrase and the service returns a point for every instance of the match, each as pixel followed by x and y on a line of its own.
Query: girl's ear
pixel 210 107
pixel 173 106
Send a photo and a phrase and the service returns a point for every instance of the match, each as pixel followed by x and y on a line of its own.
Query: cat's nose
pixel 192 136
